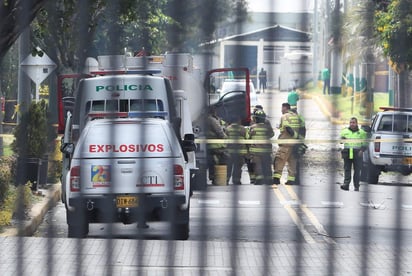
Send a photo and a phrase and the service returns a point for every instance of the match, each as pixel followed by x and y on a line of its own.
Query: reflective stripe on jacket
pixel 292 120
pixel 260 131
pixel 215 131
pixel 236 132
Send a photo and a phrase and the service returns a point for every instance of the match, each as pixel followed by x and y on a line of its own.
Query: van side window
pixel 112 105
pixel 136 105
pixel 97 105
pixel 146 105
pixel 124 106
pixel 409 124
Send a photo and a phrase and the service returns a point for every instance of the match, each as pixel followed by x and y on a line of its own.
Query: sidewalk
pixel 63 256
pixel 51 196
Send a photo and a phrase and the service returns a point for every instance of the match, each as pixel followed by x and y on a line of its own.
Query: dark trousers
pixel 326 85
pixel 356 163
pixel 263 167
pixel 234 167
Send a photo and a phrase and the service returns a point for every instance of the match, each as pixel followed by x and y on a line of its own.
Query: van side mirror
pixel 67 148
pixel 367 128
pixel 189 142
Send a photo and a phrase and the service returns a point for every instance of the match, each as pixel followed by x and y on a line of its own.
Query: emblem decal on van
pixel 95 148
pixel 100 175
pixel 124 87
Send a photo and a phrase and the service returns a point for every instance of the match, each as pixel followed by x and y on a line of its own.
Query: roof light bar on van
pixel 391 108
pixel 129 72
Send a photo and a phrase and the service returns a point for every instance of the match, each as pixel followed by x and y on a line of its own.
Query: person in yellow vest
pixel 249 161
pixel 261 152
pixel 352 153
pixel 237 151
pixel 291 127
pixel 216 154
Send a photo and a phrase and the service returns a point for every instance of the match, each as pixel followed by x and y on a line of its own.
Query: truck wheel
pixel 181 231
pixel 78 230
pixel 373 174
pixel 78 225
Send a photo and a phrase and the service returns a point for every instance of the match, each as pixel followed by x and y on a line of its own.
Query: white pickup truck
pixel 390 147
pixel 128 153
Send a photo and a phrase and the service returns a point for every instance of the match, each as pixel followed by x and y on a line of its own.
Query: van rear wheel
pixel 78 225
pixel 181 231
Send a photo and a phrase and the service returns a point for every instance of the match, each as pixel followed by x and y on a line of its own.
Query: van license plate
pixel 407 160
pixel 127 201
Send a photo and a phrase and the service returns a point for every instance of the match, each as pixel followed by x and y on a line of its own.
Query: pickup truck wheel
pixel 77 227
pixel 373 174
pixel 181 231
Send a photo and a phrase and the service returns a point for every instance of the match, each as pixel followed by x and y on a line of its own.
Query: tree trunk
pixel 403 98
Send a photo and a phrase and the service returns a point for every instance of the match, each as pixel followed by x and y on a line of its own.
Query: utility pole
pixel 24 83
pixel 315 44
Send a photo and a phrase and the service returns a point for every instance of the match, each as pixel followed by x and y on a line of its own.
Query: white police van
pixel 124 159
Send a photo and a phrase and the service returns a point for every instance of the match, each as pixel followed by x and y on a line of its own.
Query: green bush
pixel 10 195
pixel 16 197
pixel 6 175
pixel 31 133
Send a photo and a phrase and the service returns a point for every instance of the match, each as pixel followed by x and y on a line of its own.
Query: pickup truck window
pixel 395 123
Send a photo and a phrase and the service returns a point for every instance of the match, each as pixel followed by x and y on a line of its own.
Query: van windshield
pixel 124 105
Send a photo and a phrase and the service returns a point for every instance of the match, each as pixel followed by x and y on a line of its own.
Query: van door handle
pixel 126 162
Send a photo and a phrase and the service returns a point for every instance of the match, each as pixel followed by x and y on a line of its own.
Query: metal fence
pixel 313 228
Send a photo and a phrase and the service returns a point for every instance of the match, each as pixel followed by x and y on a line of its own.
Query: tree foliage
pixel 32 132
pixel 70 30
pixel 15 16
pixel 394 29
pixel 73 30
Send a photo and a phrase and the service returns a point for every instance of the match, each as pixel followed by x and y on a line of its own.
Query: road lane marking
pixel 332 203
pixel 208 201
pixel 249 202
pixel 406 206
pixel 312 218
pixel 292 213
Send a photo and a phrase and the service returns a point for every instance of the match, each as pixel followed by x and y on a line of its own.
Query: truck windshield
pixel 124 105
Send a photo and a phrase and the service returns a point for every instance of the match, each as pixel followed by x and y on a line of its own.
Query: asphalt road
pixel 316 211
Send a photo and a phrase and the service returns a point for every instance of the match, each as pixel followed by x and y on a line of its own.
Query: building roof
pixel 273 33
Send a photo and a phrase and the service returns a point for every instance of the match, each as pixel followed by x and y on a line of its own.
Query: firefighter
pixel 352 153
pixel 291 127
pixel 249 163
pixel 216 154
pixel 237 151
pixel 261 152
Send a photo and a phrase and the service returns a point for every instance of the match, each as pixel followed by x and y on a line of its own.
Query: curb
pixel 36 214
pixel 324 109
